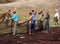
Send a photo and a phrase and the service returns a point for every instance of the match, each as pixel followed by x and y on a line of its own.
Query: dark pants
pixel 41 25
pixel 32 27
pixel 47 25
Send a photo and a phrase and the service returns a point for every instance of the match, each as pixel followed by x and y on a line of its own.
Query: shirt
pixel 41 17
pixel 33 19
pixel 33 15
pixel 15 17
pixel 56 15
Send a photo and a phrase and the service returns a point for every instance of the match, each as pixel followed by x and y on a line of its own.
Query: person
pixel 47 21
pixel 30 24
pixel 33 19
pixel 8 15
pixel 15 19
pixel 56 17
pixel 41 20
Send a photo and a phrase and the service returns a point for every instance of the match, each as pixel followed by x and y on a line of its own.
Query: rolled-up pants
pixel 14 28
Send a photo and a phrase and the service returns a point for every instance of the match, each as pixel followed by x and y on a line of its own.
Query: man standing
pixel 56 17
pixel 33 20
pixel 15 19
pixel 47 21
pixel 41 20
pixel 30 24
pixel 8 15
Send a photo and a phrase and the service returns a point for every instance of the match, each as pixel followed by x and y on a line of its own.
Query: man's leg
pixel 14 29
pixel 34 28
pixel 30 28
pixel 48 26
pixel 57 22
pixel 40 25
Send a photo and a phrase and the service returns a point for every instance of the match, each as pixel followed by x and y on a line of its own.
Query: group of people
pixel 44 21
pixel 32 20
pixel 12 18
pixel 41 20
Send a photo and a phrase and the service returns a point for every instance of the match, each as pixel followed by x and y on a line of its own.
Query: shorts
pixel 55 19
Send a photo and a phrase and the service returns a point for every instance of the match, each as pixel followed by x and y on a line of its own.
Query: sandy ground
pixel 31 3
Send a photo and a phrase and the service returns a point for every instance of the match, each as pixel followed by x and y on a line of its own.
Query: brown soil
pixel 39 37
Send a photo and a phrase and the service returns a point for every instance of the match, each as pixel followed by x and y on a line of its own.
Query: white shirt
pixel 41 17
pixel 56 15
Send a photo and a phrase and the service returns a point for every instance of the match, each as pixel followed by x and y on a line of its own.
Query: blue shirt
pixel 33 19
pixel 15 17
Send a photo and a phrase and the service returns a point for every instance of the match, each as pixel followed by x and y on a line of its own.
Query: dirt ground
pixel 39 37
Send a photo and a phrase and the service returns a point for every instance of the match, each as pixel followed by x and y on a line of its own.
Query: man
pixel 56 17
pixel 30 24
pixel 15 19
pixel 8 15
pixel 33 20
pixel 41 20
pixel 47 21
